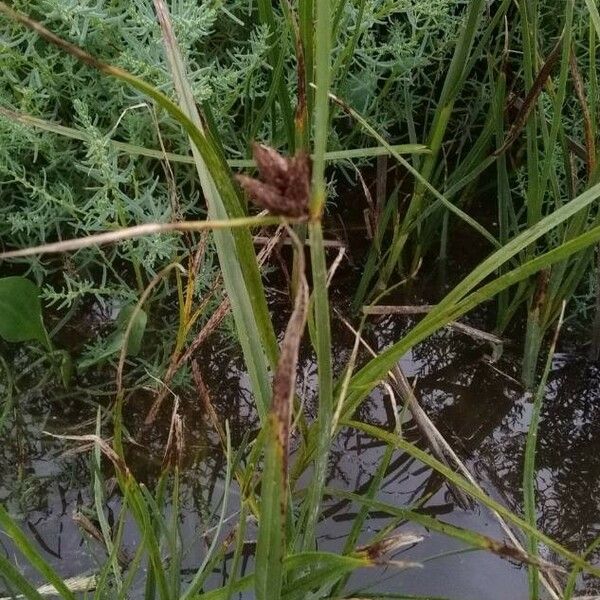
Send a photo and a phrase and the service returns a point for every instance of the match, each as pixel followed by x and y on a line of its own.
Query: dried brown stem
pixel 531 98
pixel 284 380
pixel 588 130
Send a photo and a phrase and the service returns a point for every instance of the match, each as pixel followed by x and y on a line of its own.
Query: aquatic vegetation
pixel 101 106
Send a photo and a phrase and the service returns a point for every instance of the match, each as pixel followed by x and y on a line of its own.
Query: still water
pixel 477 404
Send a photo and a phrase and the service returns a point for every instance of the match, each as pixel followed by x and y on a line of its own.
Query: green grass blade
pixel 318 581
pixel 135 150
pixel 295 562
pixel 572 581
pixel 141 511
pixel 270 545
pixel 359 521
pixel 99 506
pixel 529 475
pixel 389 596
pixel 456 303
pixel 13 576
pixel 174 530
pixel 322 341
pixel 474 492
pixel 238 552
pixel 202 573
pixel 146 526
pixel 28 550
pixel 472 539
pixel 559 100
pixel 594 15
pixel 267 16
pixel 236 252
pixel 455 77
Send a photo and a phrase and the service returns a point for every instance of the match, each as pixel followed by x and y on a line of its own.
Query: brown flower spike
pixel 284 184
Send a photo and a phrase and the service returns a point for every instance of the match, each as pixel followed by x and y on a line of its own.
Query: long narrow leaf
pixel 375 370
pixel 12 575
pixel 529 475
pixel 471 538
pixel 474 492
pixel 236 252
pixel 32 555
pixel 322 340
pixel 133 149
pixel 296 562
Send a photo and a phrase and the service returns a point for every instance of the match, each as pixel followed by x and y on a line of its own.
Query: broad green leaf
pixel 137 330
pixel 21 311
pixel 117 338
pixel 65 367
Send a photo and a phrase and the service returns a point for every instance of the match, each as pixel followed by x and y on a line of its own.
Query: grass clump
pixel 318 77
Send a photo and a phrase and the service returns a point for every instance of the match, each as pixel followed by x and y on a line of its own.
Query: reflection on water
pixel 478 406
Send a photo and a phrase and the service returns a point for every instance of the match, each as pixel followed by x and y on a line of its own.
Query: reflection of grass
pixel 554 241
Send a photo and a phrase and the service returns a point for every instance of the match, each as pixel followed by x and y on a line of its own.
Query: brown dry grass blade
pixel 175 447
pixel 531 98
pixel 106 449
pixel 511 552
pixel 207 404
pixel 86 525
pixel 127 233
pixel 472 332
pixel 208 329
pixel 211 325
pixel 301 114
pixel 378 551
